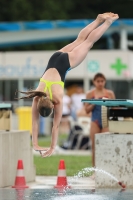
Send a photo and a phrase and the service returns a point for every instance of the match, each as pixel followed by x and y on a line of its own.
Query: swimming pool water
pixel 77 194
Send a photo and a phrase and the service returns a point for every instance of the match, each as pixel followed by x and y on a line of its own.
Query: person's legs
pixel 84 34
pixel 79 53
pixel 93 130
pixel 104 130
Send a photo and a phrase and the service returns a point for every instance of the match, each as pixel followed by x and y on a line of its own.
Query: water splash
pixel 90 170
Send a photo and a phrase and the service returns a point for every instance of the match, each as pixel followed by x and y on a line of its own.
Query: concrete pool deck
pixel 48 182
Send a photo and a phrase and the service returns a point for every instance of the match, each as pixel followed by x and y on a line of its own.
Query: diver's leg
pixel 79 53
pixel 84 34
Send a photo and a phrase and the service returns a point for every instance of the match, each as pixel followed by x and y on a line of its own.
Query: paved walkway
pixel 44 182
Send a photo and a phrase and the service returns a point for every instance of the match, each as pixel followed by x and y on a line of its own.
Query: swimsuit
pixel 60 62
pixel 49 84
pixel 96 113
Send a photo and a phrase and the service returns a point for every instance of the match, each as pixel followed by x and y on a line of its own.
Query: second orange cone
pixel 62 179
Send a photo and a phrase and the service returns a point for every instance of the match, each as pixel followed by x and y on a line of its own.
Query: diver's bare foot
pixel 111 17
pixel 107 14
pixel 100 18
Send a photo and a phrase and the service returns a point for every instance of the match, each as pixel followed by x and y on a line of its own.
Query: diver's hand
pixel 48 153
pixel 38 148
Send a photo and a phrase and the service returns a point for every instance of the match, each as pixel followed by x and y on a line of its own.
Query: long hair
pixel 44 104
pixel 32 94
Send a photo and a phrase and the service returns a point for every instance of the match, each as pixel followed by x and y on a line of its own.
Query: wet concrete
pixel 114 155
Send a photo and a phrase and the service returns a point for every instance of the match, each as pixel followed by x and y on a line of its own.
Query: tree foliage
pixel 30 10
pixel 23 10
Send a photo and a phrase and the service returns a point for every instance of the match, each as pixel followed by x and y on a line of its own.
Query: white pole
pixel 86 81
pixel 123 39
pixel 20 88
pixel 86 84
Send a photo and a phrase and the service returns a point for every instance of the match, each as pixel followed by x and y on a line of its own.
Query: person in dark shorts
pixel 49 93
pixel 99 92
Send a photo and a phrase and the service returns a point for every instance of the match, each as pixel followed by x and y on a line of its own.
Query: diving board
pixel 110 102
pixel 5 105
pixel 118 119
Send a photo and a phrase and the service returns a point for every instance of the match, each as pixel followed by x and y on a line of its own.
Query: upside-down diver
pixel 49 93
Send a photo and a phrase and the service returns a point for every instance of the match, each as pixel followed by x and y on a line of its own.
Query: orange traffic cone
pixel 62 179
pixel 20 179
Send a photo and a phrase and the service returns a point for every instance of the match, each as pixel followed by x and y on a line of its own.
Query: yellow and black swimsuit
pixel 60 62
pixel 49 84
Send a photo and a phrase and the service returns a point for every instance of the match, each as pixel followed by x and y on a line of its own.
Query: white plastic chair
pixel 83 133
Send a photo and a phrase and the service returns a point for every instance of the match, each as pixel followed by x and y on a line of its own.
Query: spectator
pixel 82 112
pixel 98 92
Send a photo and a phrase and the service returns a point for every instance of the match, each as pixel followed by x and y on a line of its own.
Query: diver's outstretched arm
pixel 55 129
pixel 35 126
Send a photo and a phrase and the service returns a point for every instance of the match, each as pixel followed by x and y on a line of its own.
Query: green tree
pixel 21 10
pixel 30 10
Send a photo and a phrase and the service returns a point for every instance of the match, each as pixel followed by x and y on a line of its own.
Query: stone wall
pixel 114 154
pixel 15 145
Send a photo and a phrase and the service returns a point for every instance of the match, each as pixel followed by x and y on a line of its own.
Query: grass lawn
pixel 49 166
pixel 46 140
